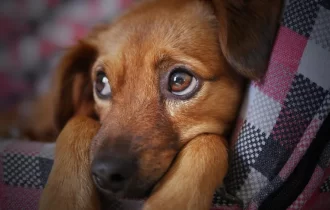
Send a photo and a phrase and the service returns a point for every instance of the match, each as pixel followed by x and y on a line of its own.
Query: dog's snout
pixel 112 174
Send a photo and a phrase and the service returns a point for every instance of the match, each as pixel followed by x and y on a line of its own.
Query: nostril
pixel 117 178
pixel 109 178
pixel 112 174
pixel 98 181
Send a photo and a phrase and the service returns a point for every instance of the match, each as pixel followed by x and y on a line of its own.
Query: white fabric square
pixel 315 64
pixel 252 185
pixel 48 151
pixel 263 112
pixel 248 99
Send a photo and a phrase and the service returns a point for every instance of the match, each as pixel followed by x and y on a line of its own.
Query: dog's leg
pixel 69 185
pixel 195 174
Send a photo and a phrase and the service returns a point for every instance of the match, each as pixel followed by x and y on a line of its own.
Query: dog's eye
pixel 181 82
pixel 102 86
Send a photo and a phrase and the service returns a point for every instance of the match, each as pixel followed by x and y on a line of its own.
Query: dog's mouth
pixel 135 190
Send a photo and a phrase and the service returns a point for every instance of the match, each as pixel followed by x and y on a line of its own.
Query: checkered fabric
pixel 24 168
pixel 280 147
pixel 35 33
pixel 280 119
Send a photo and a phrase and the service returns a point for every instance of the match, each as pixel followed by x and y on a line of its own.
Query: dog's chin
pixel 110 199
pixel 130 193
pixel 135 194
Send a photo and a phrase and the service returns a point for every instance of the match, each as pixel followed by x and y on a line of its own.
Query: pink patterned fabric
pixel 280 147
pixel 281 152
pixel 34 33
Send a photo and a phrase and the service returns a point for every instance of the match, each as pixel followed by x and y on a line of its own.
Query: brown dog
pixel 165 82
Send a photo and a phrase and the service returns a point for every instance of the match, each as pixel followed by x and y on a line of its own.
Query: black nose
pixel 112 173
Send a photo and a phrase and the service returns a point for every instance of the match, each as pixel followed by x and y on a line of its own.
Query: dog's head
pixel 160 75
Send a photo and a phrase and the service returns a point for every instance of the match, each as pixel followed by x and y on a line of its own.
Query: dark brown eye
pixel 181 82
pixel 102 86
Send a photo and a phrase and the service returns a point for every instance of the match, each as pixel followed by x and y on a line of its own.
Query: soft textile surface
pixel 34 33
pixel 280 148
pixel 24 169
pixel 279 160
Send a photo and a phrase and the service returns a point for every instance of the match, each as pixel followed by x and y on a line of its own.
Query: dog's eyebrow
pixel 163 61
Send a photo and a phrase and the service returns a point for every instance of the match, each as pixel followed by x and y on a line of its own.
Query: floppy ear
pixel 247 31
pixel 74 89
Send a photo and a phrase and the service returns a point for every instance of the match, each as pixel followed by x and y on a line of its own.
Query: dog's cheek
pixel 213 110
pixel 102 109
pixel 188 116
pixel 153 164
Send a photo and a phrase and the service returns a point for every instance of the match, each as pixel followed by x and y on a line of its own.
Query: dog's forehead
pixel 159 25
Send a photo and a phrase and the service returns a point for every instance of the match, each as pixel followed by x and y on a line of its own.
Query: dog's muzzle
pixel 112 173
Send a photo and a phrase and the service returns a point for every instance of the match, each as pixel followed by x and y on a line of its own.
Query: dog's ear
pixel 247 31
pixel 73 86
pixel 73 91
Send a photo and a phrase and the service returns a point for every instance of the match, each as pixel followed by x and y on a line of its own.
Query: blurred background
pixel 33 36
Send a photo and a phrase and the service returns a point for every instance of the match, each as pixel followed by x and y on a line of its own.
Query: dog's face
pixel 159 81
pixel 156 78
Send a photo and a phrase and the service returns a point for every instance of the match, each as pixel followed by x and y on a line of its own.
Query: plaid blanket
pixel 35 33
pixel 280 147
pixel 24 169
